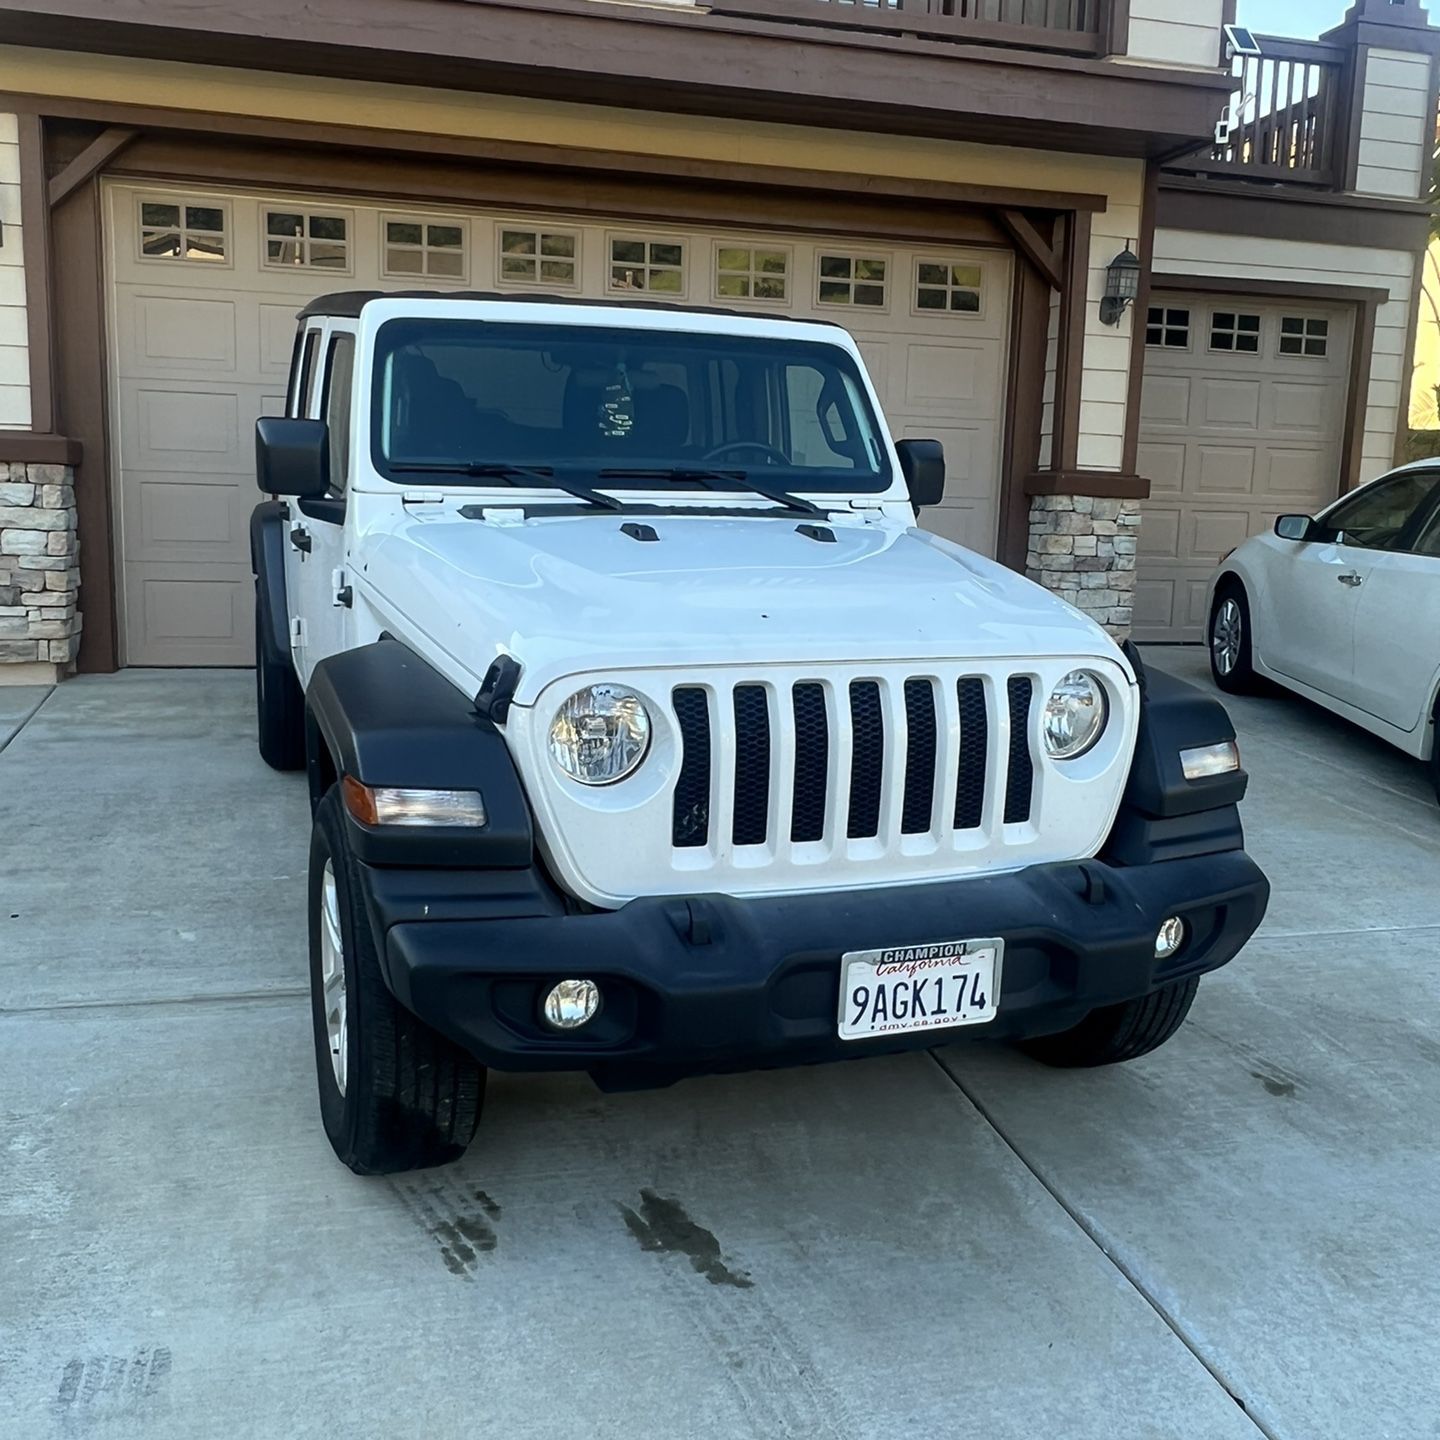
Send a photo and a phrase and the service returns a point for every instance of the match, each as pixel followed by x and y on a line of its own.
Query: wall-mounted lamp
pixel 1122 286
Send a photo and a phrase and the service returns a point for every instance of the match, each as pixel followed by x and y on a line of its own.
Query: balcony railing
pixel 1286 111
pixel 1071 27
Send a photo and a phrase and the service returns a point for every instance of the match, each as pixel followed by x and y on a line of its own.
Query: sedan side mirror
pixel 1296 527
pixel 922 463
pixel 292 457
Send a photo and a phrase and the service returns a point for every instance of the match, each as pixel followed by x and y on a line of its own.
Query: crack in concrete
pixel 1131 1278
pixel 34 711
pixel 281 992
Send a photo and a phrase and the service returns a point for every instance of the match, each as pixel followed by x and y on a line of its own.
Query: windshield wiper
pixel 702 476
pixel 511 475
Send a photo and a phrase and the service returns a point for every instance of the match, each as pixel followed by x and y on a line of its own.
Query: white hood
pixel 575 593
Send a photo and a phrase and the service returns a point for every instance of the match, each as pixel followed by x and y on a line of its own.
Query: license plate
pixel 919 987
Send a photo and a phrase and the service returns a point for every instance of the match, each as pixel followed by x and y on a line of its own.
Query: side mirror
pixel 1296 527
pixel 292 457
pixel 922 463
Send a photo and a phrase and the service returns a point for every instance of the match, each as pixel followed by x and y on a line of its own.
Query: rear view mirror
pixel 292 457
pixel 922 463
pixel 1296 527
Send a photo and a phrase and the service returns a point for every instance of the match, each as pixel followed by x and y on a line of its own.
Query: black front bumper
pixel 710 983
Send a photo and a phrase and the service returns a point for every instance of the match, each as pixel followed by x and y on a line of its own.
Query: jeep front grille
pixel 883 746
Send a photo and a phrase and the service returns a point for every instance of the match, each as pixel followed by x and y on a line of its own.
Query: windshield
pixel 460 395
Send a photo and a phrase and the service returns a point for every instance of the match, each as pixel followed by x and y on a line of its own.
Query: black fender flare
pixel 1164 816
pixel 386 717
pixel 267 561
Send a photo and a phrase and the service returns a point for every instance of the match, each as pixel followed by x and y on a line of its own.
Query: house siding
pixel 1158 32
pixel 1104 391
pixel 1396 126
pixel 14 346
pixel 1187 252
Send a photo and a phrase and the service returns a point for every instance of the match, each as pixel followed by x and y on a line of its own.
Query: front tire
pixel 279 706
pixel 394 1094
pixel 1229 641
pixel 1435 753
pixel 1116 1033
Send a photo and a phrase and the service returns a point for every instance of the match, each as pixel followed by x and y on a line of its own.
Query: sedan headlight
pixel 600 734
pixel 1075 716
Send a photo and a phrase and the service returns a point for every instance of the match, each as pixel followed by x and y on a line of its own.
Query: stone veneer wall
pixel 1084 550
pixel 39 560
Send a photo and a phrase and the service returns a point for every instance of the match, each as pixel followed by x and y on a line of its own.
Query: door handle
pixel 300 539
pixel 1352 579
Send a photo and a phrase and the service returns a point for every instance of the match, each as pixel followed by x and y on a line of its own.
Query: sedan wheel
pixel 1225 636
pixel 1230 632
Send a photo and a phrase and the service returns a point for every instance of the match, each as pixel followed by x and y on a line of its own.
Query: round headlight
pixel 1075 715
pixel 600 734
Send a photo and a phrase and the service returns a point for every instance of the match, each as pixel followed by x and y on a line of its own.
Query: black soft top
pixel 348 304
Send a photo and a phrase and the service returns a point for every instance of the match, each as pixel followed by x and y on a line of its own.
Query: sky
pixel 1296 19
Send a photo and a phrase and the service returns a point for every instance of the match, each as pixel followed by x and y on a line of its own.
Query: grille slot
pixel 1020 770
pixel 751 821
pixel 867 766
pixel 758 764
pixel 974 753
pixel 920 754
pixel 812 762
pixel 690 825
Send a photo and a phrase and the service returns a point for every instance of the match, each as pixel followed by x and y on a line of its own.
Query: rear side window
pixel 339 367
pixel 307 348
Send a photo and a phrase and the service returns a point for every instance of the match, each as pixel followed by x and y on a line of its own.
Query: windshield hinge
pixel 423 497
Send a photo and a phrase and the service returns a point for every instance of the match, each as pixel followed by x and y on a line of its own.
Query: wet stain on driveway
pixel 663 1225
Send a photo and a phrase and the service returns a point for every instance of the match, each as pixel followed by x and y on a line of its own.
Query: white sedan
pixel 1343 609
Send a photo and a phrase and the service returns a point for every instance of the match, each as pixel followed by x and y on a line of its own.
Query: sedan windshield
pixel 625 408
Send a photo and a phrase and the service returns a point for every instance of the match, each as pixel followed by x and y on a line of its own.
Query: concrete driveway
pixel 1234 1237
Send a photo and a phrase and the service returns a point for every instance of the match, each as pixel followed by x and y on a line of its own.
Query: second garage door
pixel 1242 419
pixel 204 290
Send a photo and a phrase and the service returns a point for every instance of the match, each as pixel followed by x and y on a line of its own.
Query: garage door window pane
pixel 305 239
pixel 182 231
pixel 1167 328
pixel 1303 335
pixel 657 265
pixel 1234 333
pixel 538 257
pixel 417 247
pixel 947 286
pixel 852 280
pixel 745 273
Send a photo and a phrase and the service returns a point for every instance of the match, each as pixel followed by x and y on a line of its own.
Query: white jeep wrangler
pixel 648 736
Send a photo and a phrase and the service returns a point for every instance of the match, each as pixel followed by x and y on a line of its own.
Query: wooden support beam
pixel 1031 244
pixel 95 156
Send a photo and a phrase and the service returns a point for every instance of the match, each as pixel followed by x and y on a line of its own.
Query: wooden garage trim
pixel 1365 301
pixel 80 309
pixel 82 390
pixel 580 161
pixel 1149 219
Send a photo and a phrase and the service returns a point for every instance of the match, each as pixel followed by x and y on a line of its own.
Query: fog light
pixel 571 1003
pixel 1169 937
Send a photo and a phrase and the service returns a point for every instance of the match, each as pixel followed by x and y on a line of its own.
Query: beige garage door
pixel 1242 419
pixel 205 286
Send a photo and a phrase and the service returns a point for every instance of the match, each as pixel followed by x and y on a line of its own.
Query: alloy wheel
pixel 332 975
pixel 1225 636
